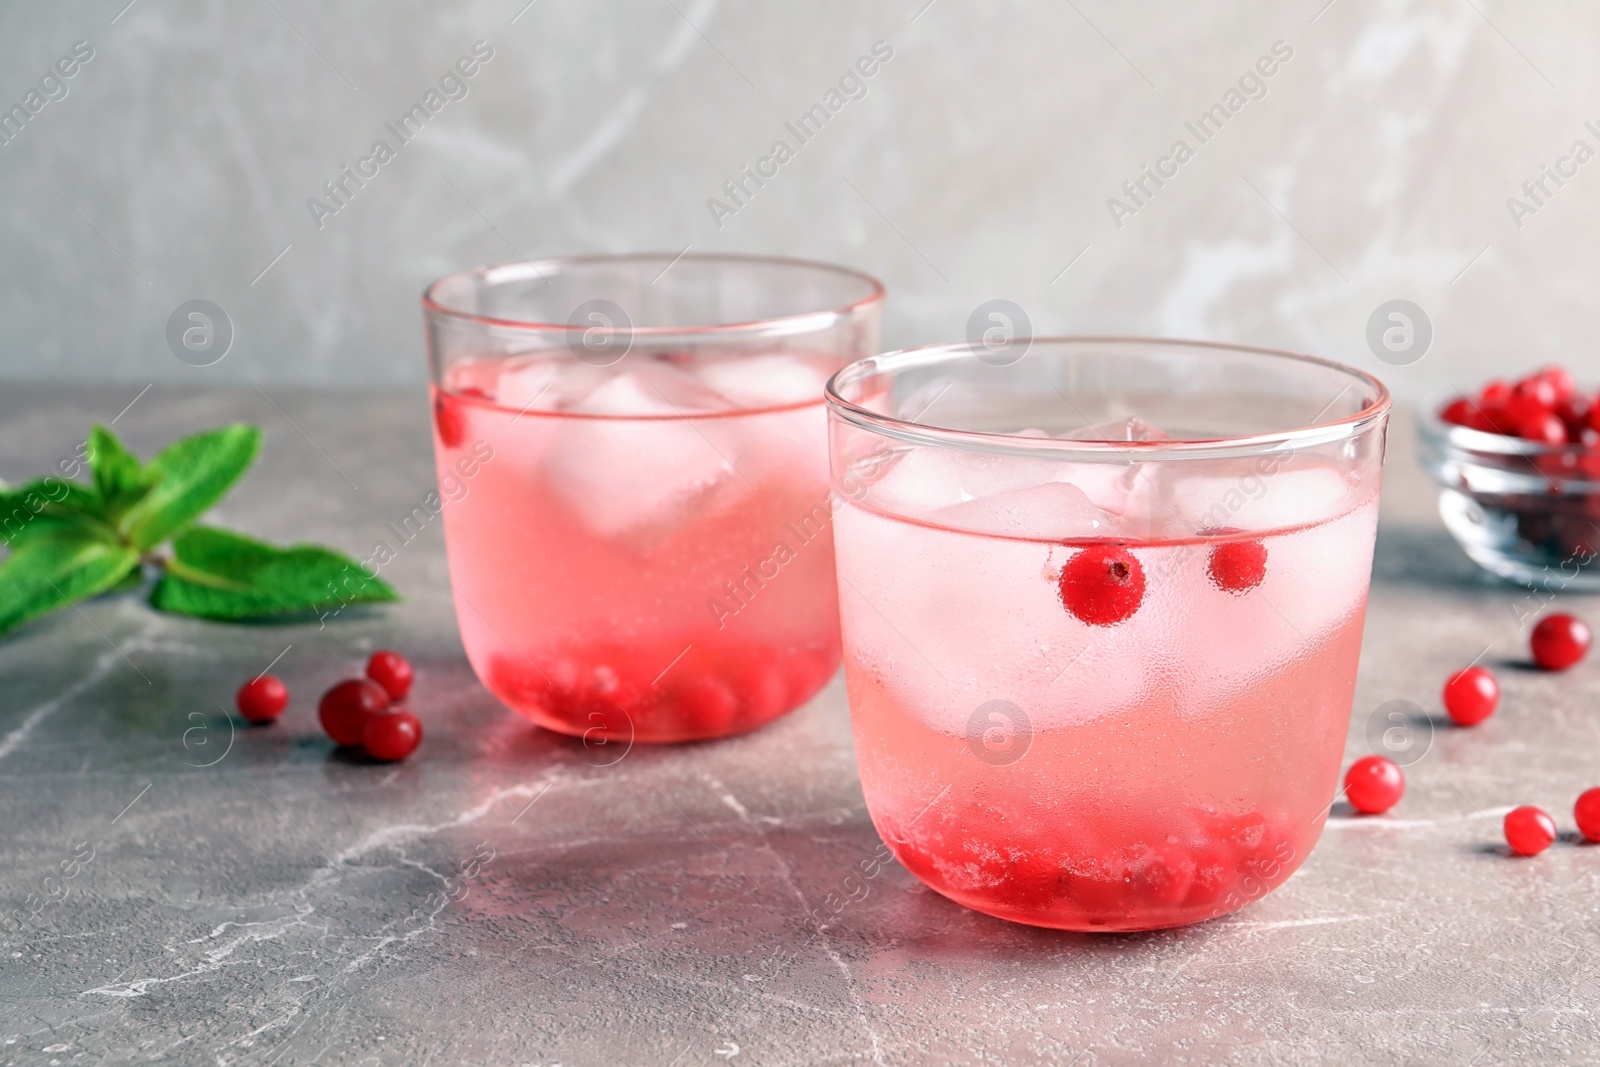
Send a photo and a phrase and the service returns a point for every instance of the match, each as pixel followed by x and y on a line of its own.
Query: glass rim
pixel 798 322
pixel 918 433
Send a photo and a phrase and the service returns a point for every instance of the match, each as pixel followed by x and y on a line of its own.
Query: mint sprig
pixel 69 541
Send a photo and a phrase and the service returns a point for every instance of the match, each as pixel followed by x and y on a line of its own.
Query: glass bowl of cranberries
pixel 1518 467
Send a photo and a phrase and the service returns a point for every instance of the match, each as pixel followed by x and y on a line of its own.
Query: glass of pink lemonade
pixel 633 455
pixel 1102 603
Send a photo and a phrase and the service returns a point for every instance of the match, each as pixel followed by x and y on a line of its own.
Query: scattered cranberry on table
pixel 392 671
pixel 1529 830
pixel 392 735
pixel 1471 695
pixel 361 712
pixel 262 699
pixel 346 707
pixel 1374 784
pixel 1559 641
pixel 1587 814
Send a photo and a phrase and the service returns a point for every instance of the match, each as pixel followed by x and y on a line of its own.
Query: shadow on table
pixel 1419 556
pixel 775 904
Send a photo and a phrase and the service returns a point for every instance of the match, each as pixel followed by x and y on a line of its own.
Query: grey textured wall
pixel 979 163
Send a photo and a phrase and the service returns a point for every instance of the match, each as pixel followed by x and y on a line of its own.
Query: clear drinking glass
pixel 1102 603
pixel 632 452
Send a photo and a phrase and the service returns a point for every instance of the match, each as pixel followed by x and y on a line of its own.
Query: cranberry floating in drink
pixel 632 461
pixel 1102 607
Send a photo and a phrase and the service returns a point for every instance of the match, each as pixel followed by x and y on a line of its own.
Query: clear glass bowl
pixel 1525 511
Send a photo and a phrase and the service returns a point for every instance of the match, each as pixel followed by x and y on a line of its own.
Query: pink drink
pixel 712 527
pixel 642 546
pixel 1126 811
pixel 1034 757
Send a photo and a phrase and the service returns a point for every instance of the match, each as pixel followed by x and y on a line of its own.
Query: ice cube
pixel 528 384
pixel 650 390
pixel 1249 501
pixel 770 380
pixel 1119 487
pixel 924 479
pixel 472 376
pixel 790 445
pixel 1056 511
pixel 921 481
pixel 636 474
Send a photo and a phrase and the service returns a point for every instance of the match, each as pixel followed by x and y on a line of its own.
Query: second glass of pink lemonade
pixel 1102 605
pixel 641 539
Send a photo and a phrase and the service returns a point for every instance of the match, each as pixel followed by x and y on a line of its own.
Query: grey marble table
pixel 252 898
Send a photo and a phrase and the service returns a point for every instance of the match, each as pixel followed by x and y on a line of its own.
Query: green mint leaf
pixel 191 474
pixel 45 573
pixel 218 574
pixel 119 477
pixel 45 506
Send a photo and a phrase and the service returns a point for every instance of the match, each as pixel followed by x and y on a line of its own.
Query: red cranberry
pixel 1529 831
pixel 1587 813
pixel 1545 427
pixel 763 693
pixel 1574 411
pixel 263 699
pixel 1373 784
pixel 1470 696
pixel 1560 380
pixel 1463 412
pixel 1559 641
pixel 449 420
pixel 1496 392
pixel 345 709
pixel 1102 585
pixel 392 735
pixel 392 671
pixel 706 704
pixel 1238 566
pixel 1558 464
pixel 1164 876
pixel 1497 418
pixel 1458 411
pixel 1535 390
